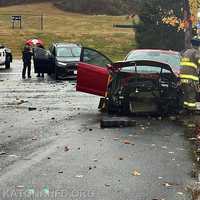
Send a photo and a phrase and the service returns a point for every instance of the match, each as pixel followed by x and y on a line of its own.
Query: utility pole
pixel 187 18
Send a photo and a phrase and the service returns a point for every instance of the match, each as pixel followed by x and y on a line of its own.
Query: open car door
pixel 43 61
pixel 92 72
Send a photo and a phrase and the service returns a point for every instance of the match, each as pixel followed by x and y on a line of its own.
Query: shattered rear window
pixel 144 69
pixel 171 59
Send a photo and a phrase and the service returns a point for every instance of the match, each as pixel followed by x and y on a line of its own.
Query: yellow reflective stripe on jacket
pixel 199 61
pixel 190 104
pixel 188 64
pixel 184 81
pixel 185 59
pixel 186 76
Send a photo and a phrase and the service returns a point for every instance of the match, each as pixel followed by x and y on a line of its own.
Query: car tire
pixel 111 108
pixel 7 65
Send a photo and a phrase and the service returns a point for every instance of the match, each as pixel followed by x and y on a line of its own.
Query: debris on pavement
pixel 136 173
pixel 180 193
pixel 66 148
pixel 167 185
pixel 121 158
pixel 19 187
pixel 79 176
pixel 2 153
pixel 116 122
pixel 127 142
pixel 13 156
pixel 32 108
pixel 60 172
pixel 107 185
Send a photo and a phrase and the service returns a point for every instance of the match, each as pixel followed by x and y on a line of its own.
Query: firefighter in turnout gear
pixel 189 74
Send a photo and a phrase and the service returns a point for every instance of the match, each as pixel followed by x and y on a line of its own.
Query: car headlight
pixel 61 63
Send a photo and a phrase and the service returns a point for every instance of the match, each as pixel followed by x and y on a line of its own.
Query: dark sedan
pixel 60 59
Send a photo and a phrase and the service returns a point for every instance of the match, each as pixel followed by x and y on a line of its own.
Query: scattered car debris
pixel 116 122
pixel 2 153
pixel 136 173
pixel 168 185
pixel 32 108
pixel 13 156
pixel 127 142
pixel 19 187
pixel 79 176
pixel 180 193
pixel 66 148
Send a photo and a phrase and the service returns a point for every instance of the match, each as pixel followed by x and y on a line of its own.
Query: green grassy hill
pixel 95 31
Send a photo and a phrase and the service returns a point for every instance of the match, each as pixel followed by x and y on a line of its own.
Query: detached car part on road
pixel 146 81
pixel 5 56
pixel 60 59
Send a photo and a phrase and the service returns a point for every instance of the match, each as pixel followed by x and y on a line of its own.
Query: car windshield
pixel 171 59
pixel 68 52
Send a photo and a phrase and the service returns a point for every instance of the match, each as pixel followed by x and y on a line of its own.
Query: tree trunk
pixel 188 31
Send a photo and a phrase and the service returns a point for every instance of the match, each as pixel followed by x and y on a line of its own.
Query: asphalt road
pixel 52 147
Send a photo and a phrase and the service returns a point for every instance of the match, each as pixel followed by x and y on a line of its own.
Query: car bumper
pixel 66 71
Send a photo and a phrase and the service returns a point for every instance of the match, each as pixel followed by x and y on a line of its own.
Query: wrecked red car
pixel 146 81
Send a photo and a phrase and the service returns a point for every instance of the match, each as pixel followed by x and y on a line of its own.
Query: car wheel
pixel 111 108
pixel 7 65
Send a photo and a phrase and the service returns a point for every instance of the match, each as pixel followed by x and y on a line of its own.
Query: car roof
pixel 63 44
pixel 157 50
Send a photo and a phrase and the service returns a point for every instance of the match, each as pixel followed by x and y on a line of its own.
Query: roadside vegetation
pixel 95 31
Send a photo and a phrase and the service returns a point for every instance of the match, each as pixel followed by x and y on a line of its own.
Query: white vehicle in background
pixel 5 56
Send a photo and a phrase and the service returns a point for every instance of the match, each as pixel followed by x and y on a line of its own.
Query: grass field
pixel 92 31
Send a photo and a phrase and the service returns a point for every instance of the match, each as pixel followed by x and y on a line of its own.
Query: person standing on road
pixel 26 57
pixel 189 74
pixel 42 47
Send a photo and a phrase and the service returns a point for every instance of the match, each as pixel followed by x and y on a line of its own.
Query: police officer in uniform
pixel 189 74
